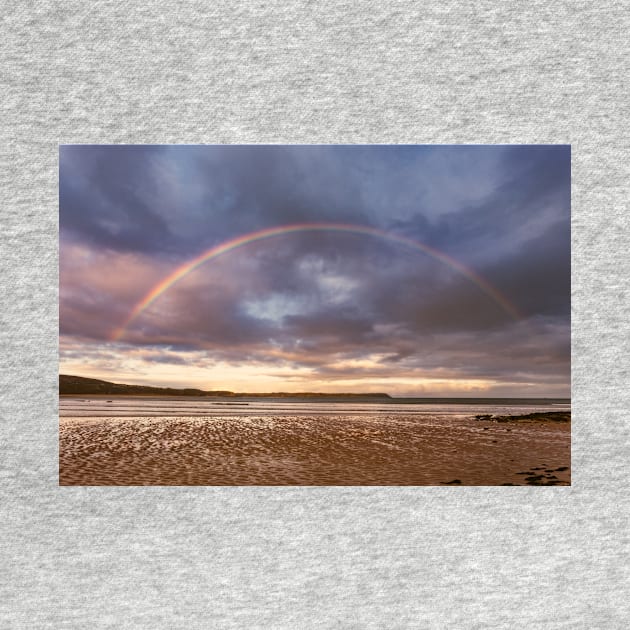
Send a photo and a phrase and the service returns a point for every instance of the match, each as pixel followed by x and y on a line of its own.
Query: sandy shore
pixel 344 450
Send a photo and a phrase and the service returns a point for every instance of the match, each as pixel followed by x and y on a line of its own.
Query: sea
pixel 165 406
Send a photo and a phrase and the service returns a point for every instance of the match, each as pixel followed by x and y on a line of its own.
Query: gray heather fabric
pixel 235 72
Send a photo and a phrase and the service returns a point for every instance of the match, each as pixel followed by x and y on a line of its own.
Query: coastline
pixel 314 450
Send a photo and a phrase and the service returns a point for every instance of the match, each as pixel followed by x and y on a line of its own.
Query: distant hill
pixel 78 385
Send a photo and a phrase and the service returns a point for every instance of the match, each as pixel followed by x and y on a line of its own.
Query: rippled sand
pixel 313 450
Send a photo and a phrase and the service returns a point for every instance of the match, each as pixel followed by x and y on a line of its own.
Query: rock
pixel 544 416
pixel 534 478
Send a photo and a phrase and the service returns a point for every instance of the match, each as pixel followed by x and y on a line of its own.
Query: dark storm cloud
pixel 110 197
pixel 537 275
pixel 181 200
pixel 185 199
pixel 531 189
pixel 344 323
pixel 130 215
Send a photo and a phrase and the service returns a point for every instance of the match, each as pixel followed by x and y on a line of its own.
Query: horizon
pixel 420 271
pixel 347 393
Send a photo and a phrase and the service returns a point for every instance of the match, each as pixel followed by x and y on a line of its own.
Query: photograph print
pixel 315 315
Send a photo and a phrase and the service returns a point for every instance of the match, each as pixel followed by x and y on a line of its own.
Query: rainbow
pixel 252 237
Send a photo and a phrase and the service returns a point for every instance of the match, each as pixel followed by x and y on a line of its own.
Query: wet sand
pixel 311 450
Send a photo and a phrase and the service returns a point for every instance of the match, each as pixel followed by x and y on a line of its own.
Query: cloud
pixel 328 306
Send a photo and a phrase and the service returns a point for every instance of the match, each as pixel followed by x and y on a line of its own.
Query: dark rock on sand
pixel 546 416
pixel 534 478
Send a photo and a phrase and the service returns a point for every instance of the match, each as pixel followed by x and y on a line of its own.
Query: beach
pixel 243 443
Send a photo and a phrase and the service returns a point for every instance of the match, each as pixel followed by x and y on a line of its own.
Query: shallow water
pixel 138 406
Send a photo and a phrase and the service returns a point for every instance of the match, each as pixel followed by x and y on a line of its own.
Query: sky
pixel 451 276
